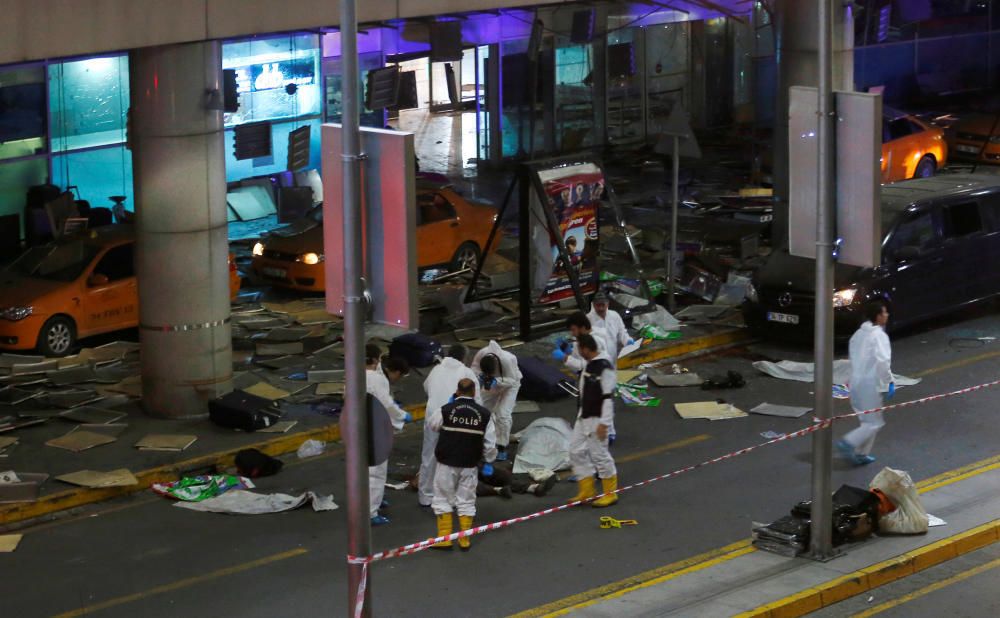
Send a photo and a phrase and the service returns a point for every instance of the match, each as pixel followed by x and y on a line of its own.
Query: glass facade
pixel 278 80
pixel 64 123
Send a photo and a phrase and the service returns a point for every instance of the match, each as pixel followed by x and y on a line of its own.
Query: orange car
pixel 976 137
pixel 65 290
pixel 451 232
pixel 911 148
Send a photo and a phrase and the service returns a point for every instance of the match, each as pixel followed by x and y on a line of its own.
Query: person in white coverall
pixel 871 374
pixel 601 316
pixel 588 448
pixel 579 324
pixel 467 437
pixel 440 388
pixel 378 375
pixel 500 379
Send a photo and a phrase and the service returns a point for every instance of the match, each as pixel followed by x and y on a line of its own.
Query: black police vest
pixel 463 428
pixel 592 396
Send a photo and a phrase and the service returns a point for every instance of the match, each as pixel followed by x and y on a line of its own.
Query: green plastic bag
pixel 651 331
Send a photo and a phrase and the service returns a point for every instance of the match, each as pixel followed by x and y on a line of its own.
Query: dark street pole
pixel 355 393
pixel 820 544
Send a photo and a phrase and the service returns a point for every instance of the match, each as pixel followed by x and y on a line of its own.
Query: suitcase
pixel 417 349
pixel 241 410
pixel 541 381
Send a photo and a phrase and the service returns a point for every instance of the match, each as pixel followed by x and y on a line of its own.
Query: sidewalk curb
pixel 903 565
pixel 82 496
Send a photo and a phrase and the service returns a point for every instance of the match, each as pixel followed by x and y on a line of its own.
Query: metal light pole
pixel 675 204
pixel 820 544
pixel 355 417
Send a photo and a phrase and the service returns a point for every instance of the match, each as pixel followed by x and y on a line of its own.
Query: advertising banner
pixel 573 192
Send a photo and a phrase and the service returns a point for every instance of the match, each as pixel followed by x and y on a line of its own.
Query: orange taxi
pixel 57 293
pixel 975 137
pixel 911 148
pixel 451 232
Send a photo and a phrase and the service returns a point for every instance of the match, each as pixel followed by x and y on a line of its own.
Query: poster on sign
pixel 573 193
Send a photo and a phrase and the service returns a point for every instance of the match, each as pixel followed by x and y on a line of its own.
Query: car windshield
pixel 55 261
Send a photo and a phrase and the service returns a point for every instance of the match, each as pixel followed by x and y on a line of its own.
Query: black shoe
pixel 543 488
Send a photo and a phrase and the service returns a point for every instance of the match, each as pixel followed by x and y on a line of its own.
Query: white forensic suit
pixel 502 396
pixel 587 452
pixel 467 435
pixel 575 362
pixel 617 335
pixel 440 385
pixel 378 387
pixel 871 357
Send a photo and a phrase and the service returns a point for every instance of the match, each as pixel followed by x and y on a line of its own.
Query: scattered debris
pixel 611 522
pixel 711 410
pixel 9 542
pixel 165 442
pixel 770 409
pixel 20 486
pixel 121 477
pixel 197 488
pixel 241 502
pixel 279 427
pixel 770 435
pixel 77 441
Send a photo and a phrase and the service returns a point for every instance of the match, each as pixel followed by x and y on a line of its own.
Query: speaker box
pixel 583 27
pixel 621 60
pixel 294 203
pixel 446 41
pixel 407 98
pixel 382 88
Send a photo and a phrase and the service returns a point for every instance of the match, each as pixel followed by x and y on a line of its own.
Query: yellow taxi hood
pixel 309 241
pixel 20 291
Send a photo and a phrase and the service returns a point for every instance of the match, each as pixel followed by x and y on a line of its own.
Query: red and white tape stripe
pixel 816 426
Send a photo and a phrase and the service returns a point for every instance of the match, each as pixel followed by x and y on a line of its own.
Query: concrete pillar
pixel 182 244
pixel 796 31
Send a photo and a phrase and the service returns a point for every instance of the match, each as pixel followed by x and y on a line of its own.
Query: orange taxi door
pixel 437 230
pixel 111 304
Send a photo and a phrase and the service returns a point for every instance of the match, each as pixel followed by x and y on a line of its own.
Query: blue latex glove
pixel 559 355
pixel 451 399
pixel 407 417
pixel 564 344
pixel 892 390
pixel 487 469
pixel 631 341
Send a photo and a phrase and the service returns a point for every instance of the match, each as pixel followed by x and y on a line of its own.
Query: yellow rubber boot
pixel 464 523
pixel 585 489
pixel 608 485
pixel 444 529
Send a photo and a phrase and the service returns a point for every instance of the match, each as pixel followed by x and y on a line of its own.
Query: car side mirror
pixel 96 280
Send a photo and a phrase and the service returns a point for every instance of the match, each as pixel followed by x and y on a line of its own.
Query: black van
pixel 940 251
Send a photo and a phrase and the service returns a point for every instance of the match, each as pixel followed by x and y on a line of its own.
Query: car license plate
pixel 968 149
pixel 279 273
pixel 784 318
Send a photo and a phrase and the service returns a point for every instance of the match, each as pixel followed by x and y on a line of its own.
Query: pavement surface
pixel 139 555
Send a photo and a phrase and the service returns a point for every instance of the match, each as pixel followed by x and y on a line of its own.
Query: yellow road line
pixel 656 450
pixel 956 364
pixel 659 575
pixel 183 583
pixel 636 582
pixel 904 565
pixel 944 583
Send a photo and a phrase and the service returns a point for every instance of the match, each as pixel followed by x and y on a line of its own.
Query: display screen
pixel 271 75
pixel 22 112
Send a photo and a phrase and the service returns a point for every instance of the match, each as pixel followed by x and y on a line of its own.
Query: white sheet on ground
pixel 242 502
pixel 544 444
pixel 803 372
pixel 773 409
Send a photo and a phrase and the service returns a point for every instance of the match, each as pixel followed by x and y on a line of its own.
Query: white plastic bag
pixel 311 448
pixel 661 317
pixel 910 517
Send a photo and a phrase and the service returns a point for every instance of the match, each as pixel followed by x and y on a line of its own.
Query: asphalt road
pixel 140 556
